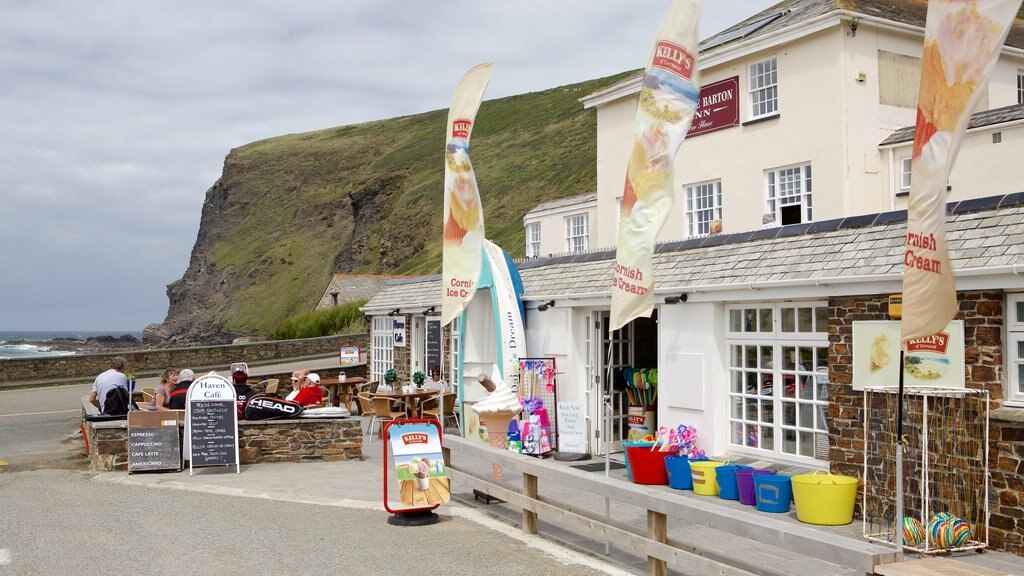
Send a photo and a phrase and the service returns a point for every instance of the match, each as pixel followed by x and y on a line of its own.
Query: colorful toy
pixel 913 531
pixel 958 533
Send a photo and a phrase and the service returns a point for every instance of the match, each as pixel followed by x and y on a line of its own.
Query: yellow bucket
pixel 703 474
pixel 824 498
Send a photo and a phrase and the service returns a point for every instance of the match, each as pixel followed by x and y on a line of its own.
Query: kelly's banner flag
pixel 961 45
pixel 668 100
pixel 463 214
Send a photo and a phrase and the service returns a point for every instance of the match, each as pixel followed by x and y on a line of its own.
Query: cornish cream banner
pixel 463 214
pixel 668 100
pixel 961 44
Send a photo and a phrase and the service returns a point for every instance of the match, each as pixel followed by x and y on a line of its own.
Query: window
pixel 703 205
pixel 1015 347
pixel 789 194
pixel 533 240
pixel 776 344
pixel 764 89
pixel 454 373
pixel 577 236
pixel 904 176
pixel 382 347
pixel 1020 86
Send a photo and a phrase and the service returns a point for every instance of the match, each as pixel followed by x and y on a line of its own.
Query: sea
pixel 39 349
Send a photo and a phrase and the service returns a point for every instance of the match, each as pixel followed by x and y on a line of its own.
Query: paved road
pixel 39 426
pixel 61 522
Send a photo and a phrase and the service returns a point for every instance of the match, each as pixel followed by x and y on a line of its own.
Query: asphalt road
pixel 39 427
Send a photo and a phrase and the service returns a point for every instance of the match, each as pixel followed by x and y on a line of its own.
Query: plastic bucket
pixel 625 452
pixel 745 485
pixel 678 468
pixel 648 465
pixel 725 475
pixel 703 475
pixel 641 422
pixel 825 499
pixel 773 491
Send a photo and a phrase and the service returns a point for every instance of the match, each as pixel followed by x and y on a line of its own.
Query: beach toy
pixel 825 499
pixel 745 485
pixel 913 531
pixel 958 533
pixel 646 443
pixel 678 468
pixel 725 475
pixel 774 492
pixel 937 532
pixel 647 465
pixel 703 474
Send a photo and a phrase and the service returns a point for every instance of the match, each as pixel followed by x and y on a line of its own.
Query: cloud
pixel 118 115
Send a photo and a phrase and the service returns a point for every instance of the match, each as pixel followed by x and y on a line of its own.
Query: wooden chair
pixel 270 386
pixel 385 409
pixel 366 409
pixel 431 407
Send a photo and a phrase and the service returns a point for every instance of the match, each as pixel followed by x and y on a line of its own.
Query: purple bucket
pixel 745 483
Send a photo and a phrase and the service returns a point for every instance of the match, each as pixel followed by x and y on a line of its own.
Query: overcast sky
pixel 116 116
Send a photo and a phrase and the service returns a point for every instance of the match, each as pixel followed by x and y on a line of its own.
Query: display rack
pixel 538 381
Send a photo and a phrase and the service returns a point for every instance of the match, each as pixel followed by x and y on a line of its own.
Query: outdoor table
pixel 412 399
pixel 347 385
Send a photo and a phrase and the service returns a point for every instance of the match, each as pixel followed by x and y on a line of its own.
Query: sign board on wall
pixel 719 107
pixel 153 441
pixel 935 361
pixel 433 343
pixel 348 355
pixel 572 428
pixel 399 324
pixel 212 422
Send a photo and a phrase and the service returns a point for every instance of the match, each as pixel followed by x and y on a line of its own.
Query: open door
pixel 620 344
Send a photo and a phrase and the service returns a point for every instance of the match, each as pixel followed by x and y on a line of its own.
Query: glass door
pixel 616 353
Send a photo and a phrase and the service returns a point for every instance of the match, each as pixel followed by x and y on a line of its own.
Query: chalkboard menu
pixel 433 343
pixel 212 422
pixel 214 434
pixel 153 441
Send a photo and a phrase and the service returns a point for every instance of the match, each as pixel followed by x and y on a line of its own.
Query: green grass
pixel 344 319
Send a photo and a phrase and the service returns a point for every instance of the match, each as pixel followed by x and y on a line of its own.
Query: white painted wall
pixel 552 225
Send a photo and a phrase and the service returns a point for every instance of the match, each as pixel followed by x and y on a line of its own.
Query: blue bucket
pixel 773 492
pixel 726 476
pixel 625 453
pixel 678 468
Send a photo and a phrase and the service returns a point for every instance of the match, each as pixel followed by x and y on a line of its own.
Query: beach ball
pixel 913 531
pixel 937 532
pixel 958 533
pixel 943 516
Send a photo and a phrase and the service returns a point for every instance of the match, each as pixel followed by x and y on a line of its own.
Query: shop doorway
pixel 635 345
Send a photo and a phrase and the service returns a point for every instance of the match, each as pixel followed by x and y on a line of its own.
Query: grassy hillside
pixel 290 211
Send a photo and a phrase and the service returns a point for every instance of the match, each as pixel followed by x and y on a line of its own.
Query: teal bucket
pixel 678 468
pixel 726 477
pixel 625 453
pixel 773 491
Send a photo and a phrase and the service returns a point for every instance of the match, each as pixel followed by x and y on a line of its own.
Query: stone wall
pixel 402 355
pixel 300 440
pixel 983 316
pixel 85 367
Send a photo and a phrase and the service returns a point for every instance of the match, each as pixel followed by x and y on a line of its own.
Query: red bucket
pixel 648 466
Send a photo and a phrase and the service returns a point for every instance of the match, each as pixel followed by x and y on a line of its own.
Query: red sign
pixel 674 58
pixel 719 107
pixel 934 343
pixel 460 129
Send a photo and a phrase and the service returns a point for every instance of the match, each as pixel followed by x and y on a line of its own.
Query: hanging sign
pixel 399 331
pixel 212 423
pixel 933 361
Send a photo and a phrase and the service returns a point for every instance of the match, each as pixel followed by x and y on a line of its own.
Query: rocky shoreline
pixel 92 345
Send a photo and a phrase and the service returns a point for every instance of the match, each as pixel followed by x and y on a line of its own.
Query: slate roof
pixel 981 233
pixel 352 287
pixel 979 120
pixel 565 202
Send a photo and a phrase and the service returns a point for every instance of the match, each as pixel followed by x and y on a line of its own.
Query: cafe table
pixel 413 399
pixel 346 385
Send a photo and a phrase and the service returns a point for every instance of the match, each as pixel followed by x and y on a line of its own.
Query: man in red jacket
pixel 311 394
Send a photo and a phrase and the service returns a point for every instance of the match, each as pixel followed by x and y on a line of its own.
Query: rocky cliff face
pixel 289 212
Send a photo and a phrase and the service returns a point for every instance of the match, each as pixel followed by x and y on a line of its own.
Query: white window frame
pixel 455 334
pixel 577 233
pixel 903 172
pixel 382 346
pixel 1015 349
pixel 763 88
pixel 533 240
pixel 703 206
pixel 787 186
pixel 1020 86
pixel 766 334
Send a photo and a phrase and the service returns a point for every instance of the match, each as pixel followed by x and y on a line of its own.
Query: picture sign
pixel 936 361
pixel 212 422
pixel 348 355
pixel 572 429
pixel 419 464
pixel 718 108
pixel 433 343
pixel 398 324
pixel 153 441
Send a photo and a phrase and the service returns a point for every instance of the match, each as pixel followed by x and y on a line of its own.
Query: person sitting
pixel 162 395
pixel 311 393
pixel 240 379
pixel 107 381
pixel 177 396
pixel 298 381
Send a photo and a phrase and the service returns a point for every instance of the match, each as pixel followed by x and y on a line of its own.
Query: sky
pixel 116 115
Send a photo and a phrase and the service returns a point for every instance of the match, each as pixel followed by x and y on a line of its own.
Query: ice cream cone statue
pixel 496 410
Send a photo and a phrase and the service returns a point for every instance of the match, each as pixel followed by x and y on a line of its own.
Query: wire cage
pixel 945 468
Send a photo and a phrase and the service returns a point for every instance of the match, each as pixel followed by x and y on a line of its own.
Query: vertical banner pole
pixel 900 447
